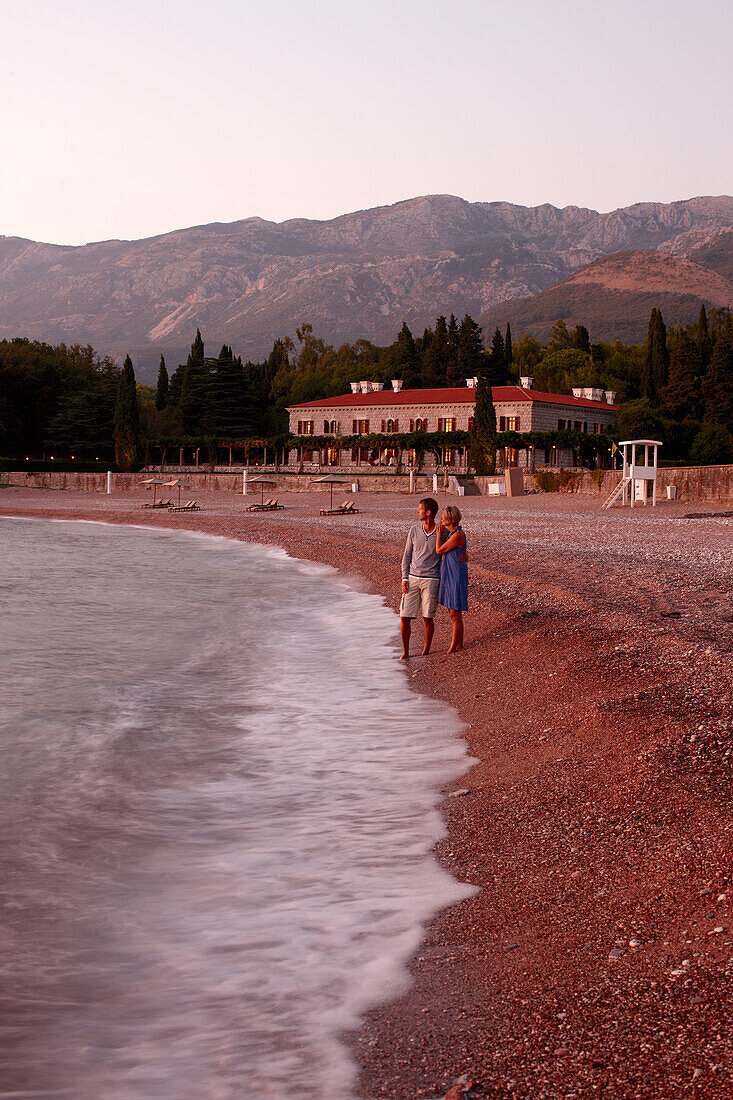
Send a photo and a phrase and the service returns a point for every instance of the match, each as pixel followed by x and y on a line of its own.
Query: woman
pixel 450 544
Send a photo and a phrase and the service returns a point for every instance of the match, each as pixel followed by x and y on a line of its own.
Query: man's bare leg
pixel 429 631
pixel 405 631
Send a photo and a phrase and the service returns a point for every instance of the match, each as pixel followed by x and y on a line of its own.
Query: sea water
pixel 217 806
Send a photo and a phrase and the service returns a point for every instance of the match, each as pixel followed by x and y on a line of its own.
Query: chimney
pixel 377 386
pixel 526 382
pixel 471 383
pixel 355 387
pixel 366 387
pixel 396 384
pixel 578 391
pixel 610 396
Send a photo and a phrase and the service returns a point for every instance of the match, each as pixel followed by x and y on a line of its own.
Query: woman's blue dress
pixel 453 591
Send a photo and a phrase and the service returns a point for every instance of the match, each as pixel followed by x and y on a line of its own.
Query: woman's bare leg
pixel 456 618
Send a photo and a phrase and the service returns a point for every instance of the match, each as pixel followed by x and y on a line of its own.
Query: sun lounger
pixel 271 505
pixel 348 508
pixel 190 506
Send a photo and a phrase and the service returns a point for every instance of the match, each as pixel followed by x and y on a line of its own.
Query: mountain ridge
pixel 358 275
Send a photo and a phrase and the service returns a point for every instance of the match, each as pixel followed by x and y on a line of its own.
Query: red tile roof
pixel 462 395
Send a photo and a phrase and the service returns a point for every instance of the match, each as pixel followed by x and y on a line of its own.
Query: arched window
pixel 421 425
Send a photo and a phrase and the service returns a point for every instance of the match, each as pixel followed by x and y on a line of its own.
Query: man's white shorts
pixel 422 596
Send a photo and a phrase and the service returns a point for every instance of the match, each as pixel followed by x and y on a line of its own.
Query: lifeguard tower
pixel 639 476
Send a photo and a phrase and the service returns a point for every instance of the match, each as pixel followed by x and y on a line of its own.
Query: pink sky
pixel 136 119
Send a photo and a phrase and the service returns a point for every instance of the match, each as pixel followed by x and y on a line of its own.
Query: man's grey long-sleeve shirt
pixel 420 558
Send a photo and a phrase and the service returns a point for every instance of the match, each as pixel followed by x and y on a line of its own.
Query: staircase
pixel 616 492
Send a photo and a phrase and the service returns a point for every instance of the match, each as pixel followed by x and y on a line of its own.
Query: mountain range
pixel 361 275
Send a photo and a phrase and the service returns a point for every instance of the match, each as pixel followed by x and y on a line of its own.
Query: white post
pixel 654 483
pixel 109 482
pixel 412 481
pixel 435 483
pixel 244 483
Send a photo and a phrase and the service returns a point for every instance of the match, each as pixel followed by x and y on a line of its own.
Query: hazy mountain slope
pixel 614 296
pixel 359 275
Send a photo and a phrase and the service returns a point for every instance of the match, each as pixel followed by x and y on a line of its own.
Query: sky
pixel 129 120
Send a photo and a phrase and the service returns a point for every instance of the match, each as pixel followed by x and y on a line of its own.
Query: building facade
pixel 370 409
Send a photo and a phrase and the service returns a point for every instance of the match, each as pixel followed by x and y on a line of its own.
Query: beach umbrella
pixel 332 479
pixel 155 482
pixel 262 481
pixel 177 483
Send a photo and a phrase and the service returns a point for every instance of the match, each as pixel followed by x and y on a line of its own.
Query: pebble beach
pixel 596 820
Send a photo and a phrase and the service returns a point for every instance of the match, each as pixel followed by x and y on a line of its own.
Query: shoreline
pixel 597 693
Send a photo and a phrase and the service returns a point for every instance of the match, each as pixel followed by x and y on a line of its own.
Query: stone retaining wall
pixel 692 482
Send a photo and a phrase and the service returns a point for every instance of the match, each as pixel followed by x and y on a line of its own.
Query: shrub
pixel 546 481
pixel 568 480
pixel 598 477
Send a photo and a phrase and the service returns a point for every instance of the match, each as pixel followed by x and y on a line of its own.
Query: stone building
pixel 370 409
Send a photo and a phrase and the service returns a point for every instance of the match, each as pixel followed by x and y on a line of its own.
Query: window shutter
pixel 354 428
pixel 412 425
pixel 519 424
pixel 396 425
pixel 300 427
pixel 384 426
pixel 470 423
pixel 366 426
pixel 440 423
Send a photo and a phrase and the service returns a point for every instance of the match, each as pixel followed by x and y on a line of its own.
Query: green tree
pixel 483 428
pixel 712 446
pixel 655 373
pixel 406 361
pixel 470 348
pixel 581 339
pixel 127 420
pixel 682 392
pixel 560 337
pixel 718 384
pixel 508 349
pixel 161 392
pixel 702 334
pixel 497 359
pixel 453 357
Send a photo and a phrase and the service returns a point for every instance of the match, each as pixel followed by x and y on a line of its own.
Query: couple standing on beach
pixel 434 571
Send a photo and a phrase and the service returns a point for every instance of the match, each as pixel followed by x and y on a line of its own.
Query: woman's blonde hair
pixel 453 514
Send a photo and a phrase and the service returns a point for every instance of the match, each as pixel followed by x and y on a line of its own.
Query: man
pixel 420 576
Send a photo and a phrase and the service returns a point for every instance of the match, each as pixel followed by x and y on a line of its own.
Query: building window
pixel 393 426
pixel 502 423
pixel 514 424
pixel 362 427
pixel 421 425
pixel 470 423
pixel 449 424
pixel 305 427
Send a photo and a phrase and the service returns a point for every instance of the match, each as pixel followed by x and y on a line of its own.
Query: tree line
pixel 677 386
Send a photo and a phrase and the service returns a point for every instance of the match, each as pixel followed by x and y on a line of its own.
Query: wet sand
pixel 597 685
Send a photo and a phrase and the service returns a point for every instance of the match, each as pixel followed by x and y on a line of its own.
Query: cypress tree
pixel 682 393
pixel 406 358
pixel 704 341
pixel 161 392
pixel 508 348
pixel 718 384
pixel 655 372
pixel 483 428
pixel 126 432
pixel 497 359
pixel 197 348
pixel 452 362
